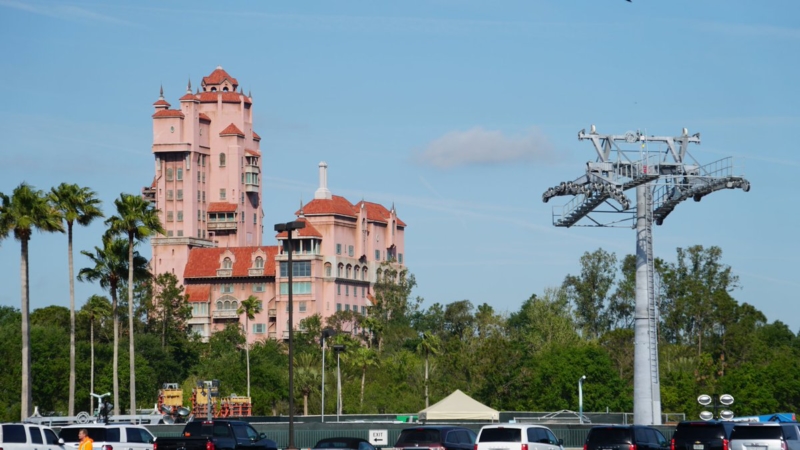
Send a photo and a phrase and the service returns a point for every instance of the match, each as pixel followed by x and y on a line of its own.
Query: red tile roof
pixel 377 213
pixel 168 113
pixel 162 102
pixel 231 129
pixel 188 96
pixel 221 207
pixel 252 152
pixel 204 262
pixel 198 292
pixel 256 137
pixel 308 231
pixel 207 97
pixel 336 205
pixel 227 97
pixel 204 117
pixel 218 76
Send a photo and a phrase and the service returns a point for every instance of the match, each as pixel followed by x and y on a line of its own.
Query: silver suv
pixel 109 437
pixel 765 436
pixel 517 437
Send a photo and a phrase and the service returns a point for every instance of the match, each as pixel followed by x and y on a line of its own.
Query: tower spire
pixel 189 87
pixel 323 193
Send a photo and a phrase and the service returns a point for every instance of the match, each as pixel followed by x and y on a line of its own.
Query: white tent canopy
pixel 459 406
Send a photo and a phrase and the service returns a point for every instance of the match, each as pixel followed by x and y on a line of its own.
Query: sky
pixel 460 113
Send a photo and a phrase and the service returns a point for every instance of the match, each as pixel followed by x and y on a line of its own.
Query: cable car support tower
pixel 663 176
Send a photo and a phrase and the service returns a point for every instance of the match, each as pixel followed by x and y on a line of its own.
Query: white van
pixel 26 436
pixel 517 437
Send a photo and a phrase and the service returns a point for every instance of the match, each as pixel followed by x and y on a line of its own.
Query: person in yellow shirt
pixel 86 441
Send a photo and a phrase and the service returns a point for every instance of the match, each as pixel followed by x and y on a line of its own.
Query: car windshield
pixel 699 431
pixel 418 436
pixel 500 435
pixel 610 435
pixel 756 432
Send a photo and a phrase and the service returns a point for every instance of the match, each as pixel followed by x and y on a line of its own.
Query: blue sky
pixel 461 113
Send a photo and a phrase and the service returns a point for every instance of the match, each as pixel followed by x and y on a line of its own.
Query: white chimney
pixel 323 193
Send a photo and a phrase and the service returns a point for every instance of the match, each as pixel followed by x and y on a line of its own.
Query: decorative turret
pixel 323 193
pixel 161 103
pixel 219 80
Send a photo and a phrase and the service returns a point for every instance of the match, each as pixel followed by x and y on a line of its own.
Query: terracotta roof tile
pixel 207 97
pixel 336 205
pixel 162 102
pixel 204 262
pixel 168 113
pixel 205 118
pixel 198 292
pixel 227 97
pixel 377 213
pixel 252 152
pixel 221 207
pixel 308 231
pixel 218 76
pixel 188 97
pixel 256 137
pixel 231 129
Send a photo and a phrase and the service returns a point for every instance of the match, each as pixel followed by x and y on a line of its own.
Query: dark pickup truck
pixel 217 435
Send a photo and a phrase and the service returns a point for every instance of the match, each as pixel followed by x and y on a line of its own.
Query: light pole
pixel 327 332
pixel 580 398
pixel 338 348
pixel 288 227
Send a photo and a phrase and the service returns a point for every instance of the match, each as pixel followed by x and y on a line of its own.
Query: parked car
pixel 765 436
pixel 436 437
pixel 344 443
pixel 113 436
pixel 25 436
pixel 217 434
pixel 625 437
pixel 700 435
pixel 517 437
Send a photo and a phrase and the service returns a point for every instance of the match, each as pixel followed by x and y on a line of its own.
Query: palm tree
pixel 97 307
pixel 429 345
pixel 110 269
pixel 79 204
pixel 136 219
pixel 249 308
pixel 362 358
pixel 27 209
pixel 307 376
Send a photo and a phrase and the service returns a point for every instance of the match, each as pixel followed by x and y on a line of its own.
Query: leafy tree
pixel 81 205
pixel 391 310
pixel 589 291
pixel 168 307
pixel 459 321
pixel 110 268
pixel 544 321
pixel 428 345
pixel 26 210
pixel 306 376
pixel 249 308
pixel 136 219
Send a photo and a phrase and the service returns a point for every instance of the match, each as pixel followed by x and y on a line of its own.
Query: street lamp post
pixel 580 398
pixel 338 348
pixel 327 332
pixel 288 227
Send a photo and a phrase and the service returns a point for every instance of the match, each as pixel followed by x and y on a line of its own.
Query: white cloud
pixel 479 146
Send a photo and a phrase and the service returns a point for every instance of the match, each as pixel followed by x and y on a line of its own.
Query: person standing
pixel 86 441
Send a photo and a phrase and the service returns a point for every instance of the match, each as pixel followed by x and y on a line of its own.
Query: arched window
pixel 222 159
pixel 364 274
pixel 339 270
pixel 219 305
pixel 356 271
pixel 227 305
pixel 259 262
pixel 227 263
pixel 349 269
pixel 378 274
pixel 234 305
pixel 225 89
pixel 213 89
pixel 328 269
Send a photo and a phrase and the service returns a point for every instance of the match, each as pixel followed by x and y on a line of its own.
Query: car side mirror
pixel 262 436
pixel 561 442
pixel 60 441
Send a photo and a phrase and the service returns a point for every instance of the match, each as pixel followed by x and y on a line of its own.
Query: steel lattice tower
pixel 662 178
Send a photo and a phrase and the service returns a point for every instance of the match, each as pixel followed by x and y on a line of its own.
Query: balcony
pixel 286 335
pixel 224 272
pixel 226 314
pixel 271 313
pixel 221 225
pixel 273 335
pixel 255 272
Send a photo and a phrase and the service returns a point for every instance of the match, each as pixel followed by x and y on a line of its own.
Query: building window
pixel 222 194
pixel 339 270
pixel 222 159
pixel 169 216
pixel 169 233
pixel 180 216
pixel 179 174
pixel 300 287
pixel 338 249
pixel 302 307
pixel 338 307
pixel 243 198
pixel 400 258
pixel 363 310
pixel 198 177
pixel 255 219
pixel 259 262
pixel 350 250
pixel 259 328
pixel 347 307
pixel 204 196
pixel 227 263
pixel 338 289
pixel 198 196
pixel 198 215
pixel 258 287
pixel 377 255
pixel 328 269
pixel 179 194
pixel 299 269
pixel 349 269
pixel 364 274
pixel 180 233
pixel 169 194
pixel 169 174
pixel 226 289
pixel 347 292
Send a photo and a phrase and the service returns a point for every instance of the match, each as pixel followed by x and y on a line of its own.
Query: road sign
pixel 379 437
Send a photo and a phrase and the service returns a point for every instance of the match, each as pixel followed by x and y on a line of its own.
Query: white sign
pixel 379 437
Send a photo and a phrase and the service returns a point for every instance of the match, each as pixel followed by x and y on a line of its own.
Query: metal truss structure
pixel 663 176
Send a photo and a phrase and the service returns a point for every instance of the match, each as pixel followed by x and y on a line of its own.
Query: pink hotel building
pixel 207 188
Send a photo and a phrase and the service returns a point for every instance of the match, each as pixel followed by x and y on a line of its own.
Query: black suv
pixel 697 435
pixel 628 437
pixel 436 438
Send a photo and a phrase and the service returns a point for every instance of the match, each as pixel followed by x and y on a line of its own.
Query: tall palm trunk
pixel 91 373
pixel 305 403
pixel 426 379
pixel 247 350
pixel 71 404
pixel 25 410
pixel 115 369
pixel 130 323
pixel 363 381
